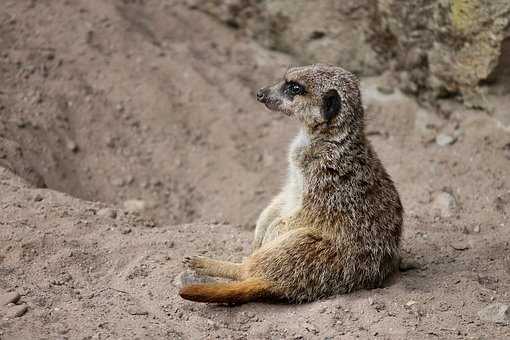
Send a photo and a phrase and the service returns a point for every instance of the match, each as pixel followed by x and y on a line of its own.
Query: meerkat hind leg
pixel 216 268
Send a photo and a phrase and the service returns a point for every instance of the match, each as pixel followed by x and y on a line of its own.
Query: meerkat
pixel 336 225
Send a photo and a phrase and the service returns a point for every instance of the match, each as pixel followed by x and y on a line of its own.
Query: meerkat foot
pixel 205 266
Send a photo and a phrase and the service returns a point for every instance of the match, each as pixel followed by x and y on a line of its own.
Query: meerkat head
pixel 320 96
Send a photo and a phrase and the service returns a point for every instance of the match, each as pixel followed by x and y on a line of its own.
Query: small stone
pixel 7 298
pixel 384 89
pixel 16 311
pixel 125 231
pixel 136 310
pixel 502 203
pixel 476 229
pixel 107 212
pixel 444 202
pixel 118 182
pixel 496 312
pixel 38 197
pixel 72 146
pixel 459 246
pixel 135 205
pixel 408 264
pixel 444 140
pixel 410 303
pixel 506 150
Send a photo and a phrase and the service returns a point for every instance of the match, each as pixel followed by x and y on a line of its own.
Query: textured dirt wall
pixel 437 48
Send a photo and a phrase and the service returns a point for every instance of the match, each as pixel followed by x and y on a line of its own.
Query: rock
pixel 384 89
pixel 408 264
pixel 38 197
pixel 459 245
pixel 410 303
pixel 125 231
pixel 7 298
pixel 327 31
pixel 506 150
pixel 118 182
pixel 72 146
pixel 444 140
pixel 134 205
pixel 502 203
pixel 444 202
pixel 107 212
pixel 476 229
pixel 16 311
pixel 136 310
pixel 430 57
pixel 496 312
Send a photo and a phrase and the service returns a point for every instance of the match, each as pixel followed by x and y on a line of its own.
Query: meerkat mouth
pixel 275 105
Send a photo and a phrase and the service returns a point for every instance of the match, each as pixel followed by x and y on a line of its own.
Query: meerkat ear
pixel 331 104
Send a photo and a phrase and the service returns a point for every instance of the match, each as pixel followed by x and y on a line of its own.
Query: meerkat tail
pixel 228 292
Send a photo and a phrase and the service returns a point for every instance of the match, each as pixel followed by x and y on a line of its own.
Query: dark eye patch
pixel 292 88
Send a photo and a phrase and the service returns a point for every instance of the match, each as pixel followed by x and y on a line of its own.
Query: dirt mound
pixel 129 104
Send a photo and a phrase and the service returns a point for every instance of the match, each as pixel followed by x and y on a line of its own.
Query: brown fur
pixel 336 225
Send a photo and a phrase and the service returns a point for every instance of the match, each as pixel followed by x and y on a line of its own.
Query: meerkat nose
pixel 262 95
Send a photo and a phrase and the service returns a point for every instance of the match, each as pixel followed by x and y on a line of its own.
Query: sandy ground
pixel 129 138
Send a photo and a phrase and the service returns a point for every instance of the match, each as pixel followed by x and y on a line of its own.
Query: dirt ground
pixel 130 137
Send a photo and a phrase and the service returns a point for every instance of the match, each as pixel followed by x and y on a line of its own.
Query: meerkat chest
pixel 294 186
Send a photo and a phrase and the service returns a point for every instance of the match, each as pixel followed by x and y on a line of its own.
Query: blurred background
pixel 146 108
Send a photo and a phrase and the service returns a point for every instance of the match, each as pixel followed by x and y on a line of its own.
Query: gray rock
pixel 137 310
pixel 444 202
pixel 16 311
pixel 496 312
pixel 444 140
pixel 72 146
pixel 107 212
pixel 7 298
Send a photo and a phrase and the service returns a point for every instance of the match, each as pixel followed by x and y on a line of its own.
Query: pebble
pixel 107 212
pixel 502 202
pixel 459 245
pixel 38 197
pixel 411 303
pixel 506 150
pixel 136 310
pixel 135 205
pixel 476 229
pixel 496 312
pixel 16 311
pixel 118 182
pixel 7 298
pixel 72 146
pixel 444 202
pixel 408 264
pixel 444 140
pixel 125 231
pixel 385 89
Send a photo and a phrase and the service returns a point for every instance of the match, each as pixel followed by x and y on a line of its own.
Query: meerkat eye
pixel 294 89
